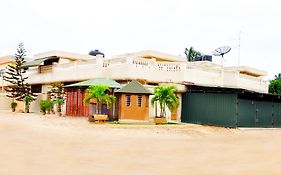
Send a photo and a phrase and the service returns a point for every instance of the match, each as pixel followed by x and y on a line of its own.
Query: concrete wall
pixel 5 102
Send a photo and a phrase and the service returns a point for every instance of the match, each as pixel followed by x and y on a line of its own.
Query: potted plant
pixel 99 95
pixel 49 106
pixel 43 106
pixel 166 97
pixel 59 102
pixel 27 99
pixel 13 106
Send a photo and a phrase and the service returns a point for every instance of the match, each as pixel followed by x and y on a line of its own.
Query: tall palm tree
pixel 99 95
pixel 166 97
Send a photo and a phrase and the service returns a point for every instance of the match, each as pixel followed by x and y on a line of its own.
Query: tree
pixel 15 75
pixel 166 97
pixel 191 54
pixel 99 94
pixel 275 85
pixel 278 77
pixel 57 95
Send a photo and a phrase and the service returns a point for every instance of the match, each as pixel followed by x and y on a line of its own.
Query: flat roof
pixel 63 54
pixel 248 70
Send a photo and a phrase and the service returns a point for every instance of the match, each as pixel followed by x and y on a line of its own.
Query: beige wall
pixel 5 102
pixel 133 112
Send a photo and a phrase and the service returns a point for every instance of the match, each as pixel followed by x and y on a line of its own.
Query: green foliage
pixel 191 54
pixel 14 105
pixel 275 87
pixel 278 77
pixel 27 99
pixel 43 105
pixel 46 105
pixel 99 94
pixel 166 97
pixel 15 75
pixel 49 105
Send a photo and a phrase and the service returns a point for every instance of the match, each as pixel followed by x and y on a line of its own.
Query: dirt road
pixel 36 145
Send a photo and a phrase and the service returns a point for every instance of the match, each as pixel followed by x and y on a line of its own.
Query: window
pixel 36 88
pixel 139 100
pixel 128 100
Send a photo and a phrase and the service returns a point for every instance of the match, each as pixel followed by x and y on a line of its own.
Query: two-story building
pixel 148 67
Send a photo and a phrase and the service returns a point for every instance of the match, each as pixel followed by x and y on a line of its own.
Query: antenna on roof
pixel 221 51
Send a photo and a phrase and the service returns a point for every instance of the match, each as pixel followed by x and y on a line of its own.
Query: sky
pixel 125 26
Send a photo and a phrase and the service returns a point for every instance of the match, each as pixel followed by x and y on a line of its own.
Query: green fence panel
pixel 192 109
pixel 264 114
pixel 277 115
pixel 246 113
pixel 221 109
pixel 209 108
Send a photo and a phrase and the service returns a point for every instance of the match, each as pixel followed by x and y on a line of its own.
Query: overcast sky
pixel 124 26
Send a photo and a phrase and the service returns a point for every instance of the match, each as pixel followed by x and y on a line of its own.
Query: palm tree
pixel 166 97
pixel 99 94
pixel 191 53
pixel 27 100
pixel 277 77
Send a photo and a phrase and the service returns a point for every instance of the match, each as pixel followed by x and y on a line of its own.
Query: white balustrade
pixel 136 67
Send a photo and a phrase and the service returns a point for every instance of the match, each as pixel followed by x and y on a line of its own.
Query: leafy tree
pixel 166 97
pixel 15 75
pixel 275 85
pixel 191 54
pixel 99 94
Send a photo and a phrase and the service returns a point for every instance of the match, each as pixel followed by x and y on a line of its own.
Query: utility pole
pixel 239 46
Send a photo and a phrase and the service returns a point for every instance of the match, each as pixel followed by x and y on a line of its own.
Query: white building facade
pixel 149 66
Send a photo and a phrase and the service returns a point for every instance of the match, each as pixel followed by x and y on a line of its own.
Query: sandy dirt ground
pixel 32 144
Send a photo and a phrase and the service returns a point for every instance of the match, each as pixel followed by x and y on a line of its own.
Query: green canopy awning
pixel 108 82
pixel 134 87
pixel 34 63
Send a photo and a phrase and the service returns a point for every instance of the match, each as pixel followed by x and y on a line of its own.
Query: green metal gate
pixel 277 114
pixel 229 110
pixel 209 108
pixel 246 113
pixel 264 114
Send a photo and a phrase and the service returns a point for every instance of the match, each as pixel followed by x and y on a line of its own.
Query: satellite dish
pixel 221 51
